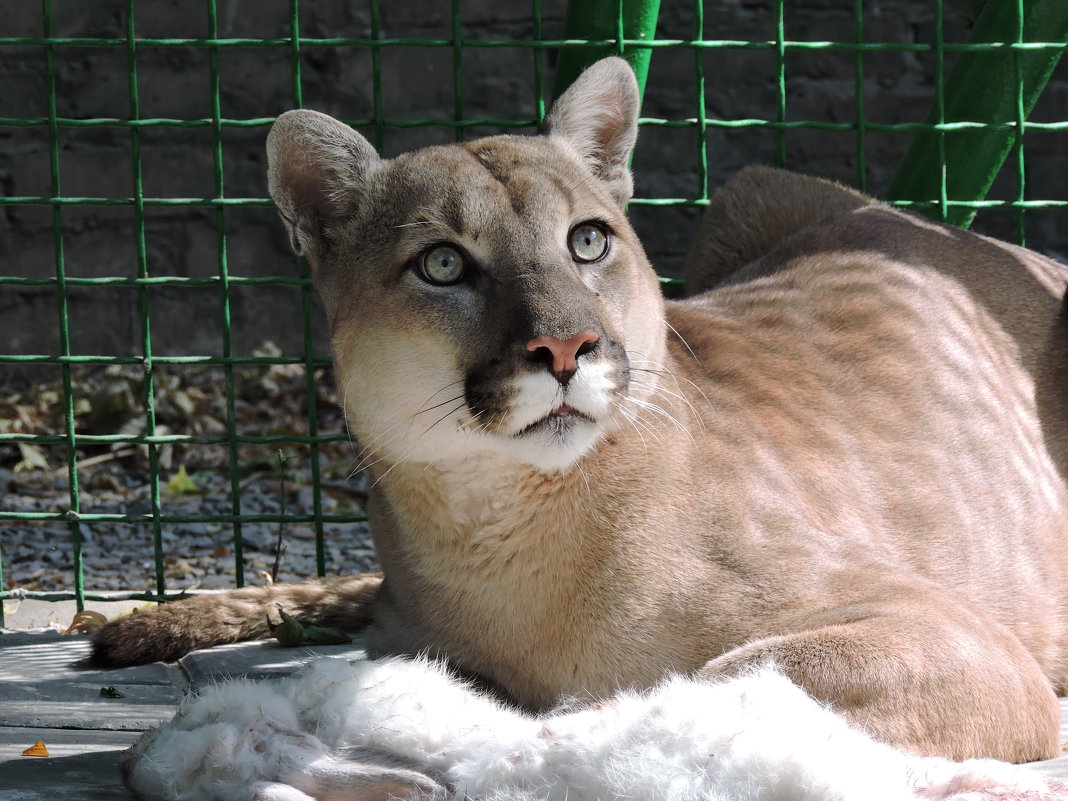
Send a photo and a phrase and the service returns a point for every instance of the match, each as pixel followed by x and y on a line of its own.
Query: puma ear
pixel 598 117
pixel 314 167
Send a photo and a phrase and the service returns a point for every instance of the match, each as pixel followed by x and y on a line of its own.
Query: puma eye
pixel 443 264
pixel 588 241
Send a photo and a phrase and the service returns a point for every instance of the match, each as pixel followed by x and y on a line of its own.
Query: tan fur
pixel 850 457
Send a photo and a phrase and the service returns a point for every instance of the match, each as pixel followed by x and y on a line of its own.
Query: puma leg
pixel 933 680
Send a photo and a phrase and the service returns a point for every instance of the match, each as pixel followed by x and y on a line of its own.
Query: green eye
pixel 588 241
pixel 443 264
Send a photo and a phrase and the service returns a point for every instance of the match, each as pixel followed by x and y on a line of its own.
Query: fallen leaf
pixel 290 632
pixel 325 635
pixel 86 621
pixel 33 458
pixel 37 749
pixel 181 484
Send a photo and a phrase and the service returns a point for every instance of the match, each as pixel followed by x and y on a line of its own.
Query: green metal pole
pixel 987 86
pixel 606 20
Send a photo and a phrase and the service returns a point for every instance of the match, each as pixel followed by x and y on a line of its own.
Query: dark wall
pixel 257 83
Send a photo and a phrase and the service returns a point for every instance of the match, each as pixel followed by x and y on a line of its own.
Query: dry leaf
pixel 37 749
pixel 145 605
pixel 33 458
pixel 86 621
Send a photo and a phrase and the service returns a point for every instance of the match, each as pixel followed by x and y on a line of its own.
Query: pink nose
pixel 562 354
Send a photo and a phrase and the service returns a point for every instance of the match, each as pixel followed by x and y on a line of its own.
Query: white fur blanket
pixel 405 729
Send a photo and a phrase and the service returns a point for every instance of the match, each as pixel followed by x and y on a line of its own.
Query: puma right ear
pixel 598 117
pixel 314 167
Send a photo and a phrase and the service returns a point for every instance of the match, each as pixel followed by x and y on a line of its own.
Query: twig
pixel 250 479
pixel 122 453
pixel 282 522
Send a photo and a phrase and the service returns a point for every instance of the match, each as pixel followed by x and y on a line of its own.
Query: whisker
pixel 415 445
pixel 447 386
pixel 586 481
pixel 662 412
pixel 367 450
pixel 423 407
pixel 411 422
pixel 683 341
pixel 345 419
pixel 664 371
pixel 628 416
pixel 659 389
pixel 437 406
pixel 444 417
pixel 396 464
pixel 474 417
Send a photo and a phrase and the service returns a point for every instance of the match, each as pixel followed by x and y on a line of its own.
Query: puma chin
pixel 550 426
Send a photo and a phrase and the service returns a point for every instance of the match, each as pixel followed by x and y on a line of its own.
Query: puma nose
pixel 561 355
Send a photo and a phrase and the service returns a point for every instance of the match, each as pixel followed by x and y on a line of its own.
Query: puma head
pixel 487 296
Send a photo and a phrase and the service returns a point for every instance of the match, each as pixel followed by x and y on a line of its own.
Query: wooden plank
pixel 259 660
pixel 80 705
pixel 83 765
pixel 43 656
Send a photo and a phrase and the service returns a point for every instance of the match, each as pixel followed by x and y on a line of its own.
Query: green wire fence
pixel 983 78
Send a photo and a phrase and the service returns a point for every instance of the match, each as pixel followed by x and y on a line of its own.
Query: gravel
pixel 194 481
pixel 119 556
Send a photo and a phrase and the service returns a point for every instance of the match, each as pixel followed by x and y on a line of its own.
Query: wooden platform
pixel 49 693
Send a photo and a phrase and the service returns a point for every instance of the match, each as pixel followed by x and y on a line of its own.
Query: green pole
pixel 995 87
pixel 612 21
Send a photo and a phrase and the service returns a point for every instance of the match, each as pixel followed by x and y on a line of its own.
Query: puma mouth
pixel 561 420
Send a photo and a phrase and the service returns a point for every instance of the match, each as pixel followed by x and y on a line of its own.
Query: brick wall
pixel 416 83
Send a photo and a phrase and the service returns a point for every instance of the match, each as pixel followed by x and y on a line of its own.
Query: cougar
pixel 846 454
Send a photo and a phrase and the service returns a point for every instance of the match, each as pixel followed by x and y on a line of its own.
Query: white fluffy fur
pixel 757 738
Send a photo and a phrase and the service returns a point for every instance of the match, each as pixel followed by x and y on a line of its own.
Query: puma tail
pixel 172 630
pixel 755 211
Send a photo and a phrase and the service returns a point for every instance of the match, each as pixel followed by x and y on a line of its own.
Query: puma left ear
pixel 598 117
